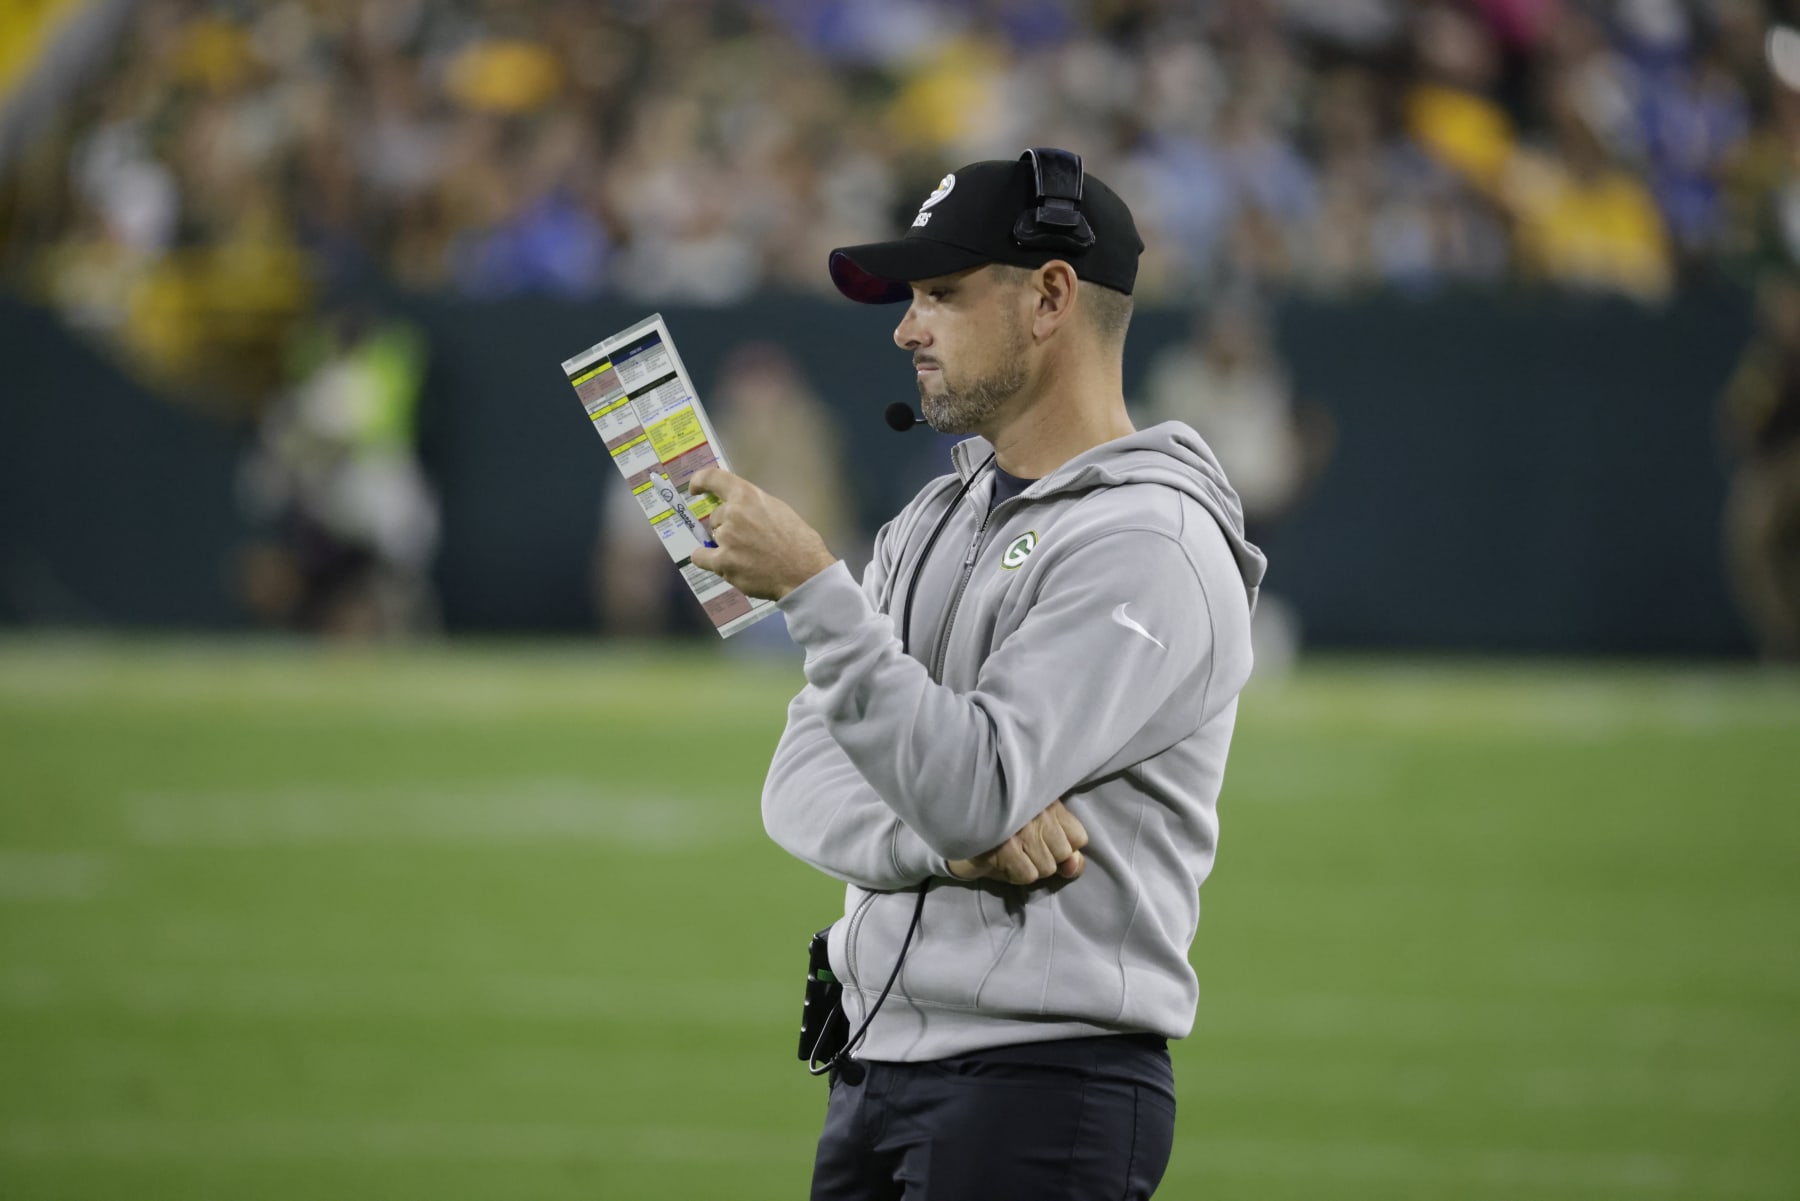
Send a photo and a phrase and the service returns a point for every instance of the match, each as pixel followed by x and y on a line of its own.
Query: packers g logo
pixel 1020 550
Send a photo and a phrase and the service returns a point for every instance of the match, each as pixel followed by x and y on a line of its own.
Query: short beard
pixel 967 408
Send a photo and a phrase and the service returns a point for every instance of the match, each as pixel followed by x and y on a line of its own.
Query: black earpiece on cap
pixel 1054 220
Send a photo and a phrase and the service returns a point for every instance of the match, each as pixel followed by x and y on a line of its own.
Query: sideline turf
pixel 474 922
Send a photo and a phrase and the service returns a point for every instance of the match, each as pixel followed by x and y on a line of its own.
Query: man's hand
pixel 1049 845
pixel 764 548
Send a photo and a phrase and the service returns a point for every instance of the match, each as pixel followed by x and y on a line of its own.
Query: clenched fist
pixel 1049 845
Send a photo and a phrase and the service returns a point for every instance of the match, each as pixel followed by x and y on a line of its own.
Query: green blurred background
pixel 475 922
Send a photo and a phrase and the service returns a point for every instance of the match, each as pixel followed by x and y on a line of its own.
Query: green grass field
pixel 476 923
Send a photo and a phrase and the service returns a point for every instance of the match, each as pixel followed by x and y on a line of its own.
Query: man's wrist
pixel 821 565
pixel 826 609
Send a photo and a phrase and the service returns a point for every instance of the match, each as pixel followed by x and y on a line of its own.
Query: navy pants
pixel 1083 1119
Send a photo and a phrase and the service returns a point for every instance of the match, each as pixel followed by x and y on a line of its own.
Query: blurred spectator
pixel 1692 118
pixel 1226 383
pixel 530 229
pixel 335 480
pixel 1584 221
pixel 782 435
pixel 1453 110
pixel 1389 213
pixel 1762 428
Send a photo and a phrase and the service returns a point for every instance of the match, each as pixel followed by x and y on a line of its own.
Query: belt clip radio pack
pixel 823 1027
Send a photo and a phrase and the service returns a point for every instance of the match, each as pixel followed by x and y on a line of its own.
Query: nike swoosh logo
pixel 1120 616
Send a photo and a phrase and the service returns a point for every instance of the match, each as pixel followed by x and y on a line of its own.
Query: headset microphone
pixel 900 417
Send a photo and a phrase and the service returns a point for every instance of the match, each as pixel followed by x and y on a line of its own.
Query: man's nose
pixel 909 334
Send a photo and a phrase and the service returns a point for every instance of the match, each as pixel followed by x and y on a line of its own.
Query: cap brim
pixel 880 272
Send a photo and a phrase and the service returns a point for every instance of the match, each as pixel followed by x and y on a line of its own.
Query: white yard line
pixel 1479 702
pixel 577 682
pixel 316 997
pixel 1464 1021
pixel 52 875
pixel 481 813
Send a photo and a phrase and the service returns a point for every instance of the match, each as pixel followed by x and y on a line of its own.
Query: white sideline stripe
pixel 521 811
pixel 1565 709
pixel 404 691
pixel 1647 1173
pixel 397 1140
pixel 1465 1021
pixel 446 996
pixel 502 1061
pixel 1315 776
pixel 52 875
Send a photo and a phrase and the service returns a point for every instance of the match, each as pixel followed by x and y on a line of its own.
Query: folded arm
pixel 818 807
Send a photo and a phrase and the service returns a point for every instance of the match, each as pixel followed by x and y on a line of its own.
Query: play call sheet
pixel 642 404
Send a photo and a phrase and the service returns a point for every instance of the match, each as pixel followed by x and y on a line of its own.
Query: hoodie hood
pixel 1172 454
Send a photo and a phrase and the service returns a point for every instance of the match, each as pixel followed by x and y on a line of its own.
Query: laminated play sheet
pixel 642 404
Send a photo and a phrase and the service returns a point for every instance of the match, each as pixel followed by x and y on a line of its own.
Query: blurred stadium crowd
pixel 217 177
pixel 703 151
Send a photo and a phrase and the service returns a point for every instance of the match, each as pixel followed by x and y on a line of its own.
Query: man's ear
pixel 1054 288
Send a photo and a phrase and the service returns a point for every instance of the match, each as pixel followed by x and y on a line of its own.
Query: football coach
pixel 1013 732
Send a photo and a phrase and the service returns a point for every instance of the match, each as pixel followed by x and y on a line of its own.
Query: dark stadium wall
pixel 116 508
pixel 1518 472
pixel 1521 472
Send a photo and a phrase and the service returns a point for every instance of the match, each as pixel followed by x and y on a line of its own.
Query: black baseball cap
pixel 969 220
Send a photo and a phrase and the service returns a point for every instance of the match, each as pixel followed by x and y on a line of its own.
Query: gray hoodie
pixel 1086 640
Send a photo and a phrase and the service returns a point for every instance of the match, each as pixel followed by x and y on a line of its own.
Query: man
pixel 1013 734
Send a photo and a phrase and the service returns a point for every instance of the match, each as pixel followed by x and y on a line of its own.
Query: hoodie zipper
pixel 962 586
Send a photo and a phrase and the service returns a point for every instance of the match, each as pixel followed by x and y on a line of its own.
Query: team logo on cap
pixel 937 194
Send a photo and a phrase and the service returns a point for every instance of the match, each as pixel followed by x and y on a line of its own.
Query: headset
pixel 1053 220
